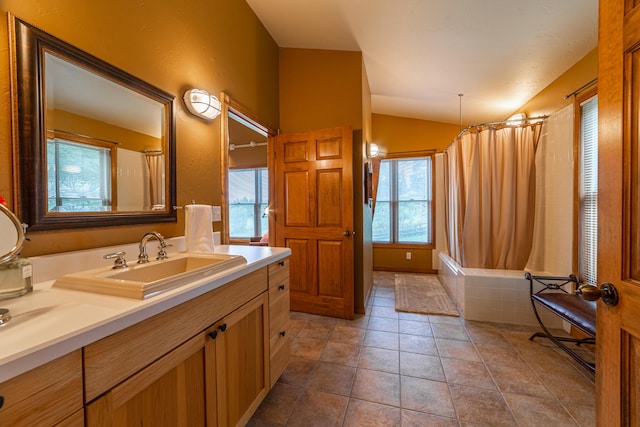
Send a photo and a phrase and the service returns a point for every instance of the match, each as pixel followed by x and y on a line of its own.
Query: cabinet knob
pixel 213 334
pixel 1 401
pixel 281 287
pixel 223 327
pixel 281 263
pixel 283 333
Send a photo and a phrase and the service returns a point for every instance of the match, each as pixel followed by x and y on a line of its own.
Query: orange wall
pixel 552 98
pixel 217 45
pixel 400 134
pixel 320 89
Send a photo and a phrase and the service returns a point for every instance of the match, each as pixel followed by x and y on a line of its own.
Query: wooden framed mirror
pixel 94 145
pixel 244 135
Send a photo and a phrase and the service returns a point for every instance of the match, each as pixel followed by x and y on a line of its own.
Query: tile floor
pixel 402 369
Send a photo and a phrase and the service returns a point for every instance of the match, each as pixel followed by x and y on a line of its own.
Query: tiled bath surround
pixel 491 295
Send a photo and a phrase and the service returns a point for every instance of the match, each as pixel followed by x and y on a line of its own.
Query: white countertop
pixel 51 322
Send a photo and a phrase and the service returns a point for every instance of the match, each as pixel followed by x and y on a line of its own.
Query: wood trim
pixel 409 155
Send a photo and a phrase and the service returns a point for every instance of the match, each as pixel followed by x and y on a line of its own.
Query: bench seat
pixel 572 308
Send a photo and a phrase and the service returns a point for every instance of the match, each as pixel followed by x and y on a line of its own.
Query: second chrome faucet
pixel 143 257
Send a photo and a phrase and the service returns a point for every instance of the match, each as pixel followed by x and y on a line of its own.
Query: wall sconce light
pixel 517 119
pixel 201 104
pixel 372 150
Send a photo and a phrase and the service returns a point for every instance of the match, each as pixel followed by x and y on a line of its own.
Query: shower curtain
pixel 155 162
pixel 490 196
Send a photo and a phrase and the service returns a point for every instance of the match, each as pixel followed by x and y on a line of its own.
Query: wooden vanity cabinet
pixel 217 375
pixel 50 395
pixel 209 361
pixel 280 340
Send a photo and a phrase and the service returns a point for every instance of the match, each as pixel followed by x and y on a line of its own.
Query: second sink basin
pixel 142 281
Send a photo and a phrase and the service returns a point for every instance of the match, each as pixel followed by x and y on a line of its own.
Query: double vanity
pixel 203 347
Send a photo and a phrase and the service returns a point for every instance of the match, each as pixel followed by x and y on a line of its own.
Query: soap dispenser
pixel 15 272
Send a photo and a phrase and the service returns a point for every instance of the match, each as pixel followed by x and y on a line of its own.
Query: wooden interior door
pixel 618 327
pixel 314 218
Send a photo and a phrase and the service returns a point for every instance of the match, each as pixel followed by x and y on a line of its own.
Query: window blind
pixel 588 192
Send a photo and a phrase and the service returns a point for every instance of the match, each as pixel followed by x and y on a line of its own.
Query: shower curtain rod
pixel 499 122
pixel 429 150
pixel 502 122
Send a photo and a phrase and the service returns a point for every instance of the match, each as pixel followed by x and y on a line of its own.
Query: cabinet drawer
pixel 278 272
pixel 280 352
pixel 45 395
pixel 278 310
pixel 141 344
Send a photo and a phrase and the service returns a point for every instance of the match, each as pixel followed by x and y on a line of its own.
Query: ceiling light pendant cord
pixel 460 95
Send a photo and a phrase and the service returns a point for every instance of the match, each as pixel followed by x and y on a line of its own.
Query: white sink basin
pixel 142 281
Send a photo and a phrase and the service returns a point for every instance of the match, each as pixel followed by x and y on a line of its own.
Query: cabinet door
pixel 242 362
pixel 169 392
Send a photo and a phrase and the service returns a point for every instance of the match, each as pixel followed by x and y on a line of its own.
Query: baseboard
pixel 407 270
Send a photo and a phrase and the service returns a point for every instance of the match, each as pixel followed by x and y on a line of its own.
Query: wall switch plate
pixel 408 255
pixel 216 213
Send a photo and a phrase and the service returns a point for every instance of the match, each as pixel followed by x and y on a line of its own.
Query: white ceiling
pixel 420 54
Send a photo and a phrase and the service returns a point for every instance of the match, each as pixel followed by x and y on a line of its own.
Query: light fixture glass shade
pixel 517 119
pixel 372 150
pixel 201 104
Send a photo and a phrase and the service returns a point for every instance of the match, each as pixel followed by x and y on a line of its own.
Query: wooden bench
pixel 567 305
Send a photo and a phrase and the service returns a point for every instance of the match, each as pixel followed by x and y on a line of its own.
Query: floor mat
pixel 422 294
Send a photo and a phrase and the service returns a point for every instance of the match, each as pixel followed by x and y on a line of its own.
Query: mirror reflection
pixel 96 144
pixel 248 181
pixel 104 143
pixel 246 187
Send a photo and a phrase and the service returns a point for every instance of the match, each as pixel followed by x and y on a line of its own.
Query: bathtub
pixel 491 295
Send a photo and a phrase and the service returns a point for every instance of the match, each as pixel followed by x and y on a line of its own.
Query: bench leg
pixel 576 341
pixel 559 341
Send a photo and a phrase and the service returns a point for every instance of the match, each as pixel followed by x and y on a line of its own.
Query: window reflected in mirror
pixel 248 199
pixel 78 177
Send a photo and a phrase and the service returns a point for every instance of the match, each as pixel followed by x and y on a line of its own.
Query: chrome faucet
pixel 143 257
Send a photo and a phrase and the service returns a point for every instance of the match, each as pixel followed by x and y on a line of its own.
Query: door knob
pixel 606 291
pixel 348 233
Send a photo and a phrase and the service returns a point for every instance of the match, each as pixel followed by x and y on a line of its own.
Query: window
pixel 403 211
pixel 588 192
pixel 79 177
pixel 248 198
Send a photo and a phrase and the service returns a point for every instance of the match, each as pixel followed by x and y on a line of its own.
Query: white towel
pixel 197 228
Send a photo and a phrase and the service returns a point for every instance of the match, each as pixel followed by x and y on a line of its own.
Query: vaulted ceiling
pixel 420 54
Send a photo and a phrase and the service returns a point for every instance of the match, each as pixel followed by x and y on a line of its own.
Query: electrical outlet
pixel 216 214
pixel 408 255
